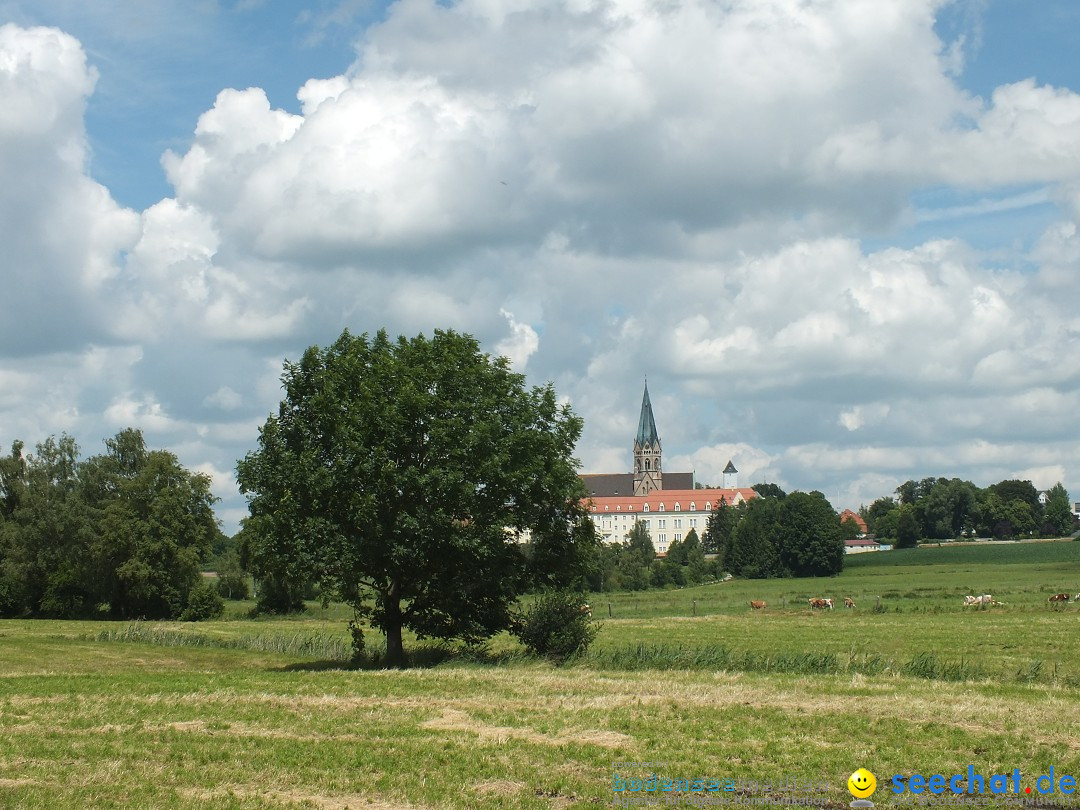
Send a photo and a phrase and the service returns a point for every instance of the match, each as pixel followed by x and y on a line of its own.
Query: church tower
pixel 731 476
pixel 648 471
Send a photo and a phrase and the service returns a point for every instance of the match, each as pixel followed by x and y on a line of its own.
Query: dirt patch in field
pixel 455 720
pixel 287 797
pixel 17 783
pixel 499 787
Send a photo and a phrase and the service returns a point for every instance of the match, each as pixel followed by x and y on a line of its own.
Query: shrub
pixel 276 595
pixel 232 581
pixel 203 603
pixel 557 625
pixel 357 633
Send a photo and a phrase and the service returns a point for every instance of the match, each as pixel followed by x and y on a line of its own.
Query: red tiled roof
pixel 849 514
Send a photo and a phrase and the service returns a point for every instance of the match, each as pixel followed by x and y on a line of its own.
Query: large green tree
pixel 809 536
pixel 401 474
pixel 720 529
pixel 908 533
pixel 126 529
pixel 44 538
pixel 752 551
pixel 1058 514
pixel 154 524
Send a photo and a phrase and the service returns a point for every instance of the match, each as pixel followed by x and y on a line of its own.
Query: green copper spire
pixel 646 432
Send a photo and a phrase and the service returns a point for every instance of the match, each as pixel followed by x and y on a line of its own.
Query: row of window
pixel 645 507
pixel 676 523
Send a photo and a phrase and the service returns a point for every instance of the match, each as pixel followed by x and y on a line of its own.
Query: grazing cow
pixel 820 604
pixel 756 605
pixel 985 599
pixel 849 602
pixel 1058 597
pixel 585 610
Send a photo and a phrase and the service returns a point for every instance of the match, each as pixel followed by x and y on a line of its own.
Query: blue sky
pixel 840 239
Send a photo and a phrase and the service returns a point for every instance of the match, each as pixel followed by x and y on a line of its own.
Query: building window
pixel 693 523
pixel 693 506
pixel 661 507
pixel 677 523
pixel 645 508
pixel 676 506
pixel 618 508
pixel 708 507
pixel 663 539
pixel 663 523
pixel 678 535
pixel 607 508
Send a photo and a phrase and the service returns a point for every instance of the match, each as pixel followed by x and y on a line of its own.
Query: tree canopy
pixel 940 509
pixel 124 531
pixel 400 474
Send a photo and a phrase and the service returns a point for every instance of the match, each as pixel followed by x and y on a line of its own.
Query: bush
pixel 232 581
pixel 557 625
pixel 357 633
pixel 203 603
pixel 276 595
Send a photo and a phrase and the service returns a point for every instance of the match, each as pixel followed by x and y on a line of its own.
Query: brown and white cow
pixel 985 599
pixel 757 604
pixel 816 603
pixel 849 602
pixel 1058 597
pixel 584 609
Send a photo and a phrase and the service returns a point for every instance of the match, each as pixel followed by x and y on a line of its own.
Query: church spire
pixel 646 431
pixel 648 473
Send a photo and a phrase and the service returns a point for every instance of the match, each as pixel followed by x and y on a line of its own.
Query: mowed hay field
pixel 264 713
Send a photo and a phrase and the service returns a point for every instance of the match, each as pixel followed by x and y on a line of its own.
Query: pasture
pixel 261 713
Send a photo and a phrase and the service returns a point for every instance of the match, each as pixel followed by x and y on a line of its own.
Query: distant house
pixel 848 514
pixel 858 545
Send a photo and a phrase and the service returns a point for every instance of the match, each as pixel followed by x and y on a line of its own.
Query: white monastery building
pixel 668 503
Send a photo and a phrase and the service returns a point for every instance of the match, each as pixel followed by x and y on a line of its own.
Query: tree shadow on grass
pixel 423 657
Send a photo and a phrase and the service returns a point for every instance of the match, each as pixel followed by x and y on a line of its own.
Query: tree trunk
pixel 395 652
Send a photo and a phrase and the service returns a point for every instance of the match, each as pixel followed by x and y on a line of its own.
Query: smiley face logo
pixel 862 784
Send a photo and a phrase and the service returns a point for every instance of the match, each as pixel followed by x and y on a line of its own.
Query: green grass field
pixel 243 713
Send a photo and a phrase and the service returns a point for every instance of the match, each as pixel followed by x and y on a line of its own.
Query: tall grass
pixel 926 665
pixel 324 646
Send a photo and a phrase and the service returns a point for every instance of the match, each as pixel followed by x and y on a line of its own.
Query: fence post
pixel 783 603
pixel 695 607
pixel 877 603
pixel 609 610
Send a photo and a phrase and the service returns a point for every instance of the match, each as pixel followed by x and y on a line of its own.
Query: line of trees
pixel 634 566
pixel 121 534
pixel 777 535
pixel 941 509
